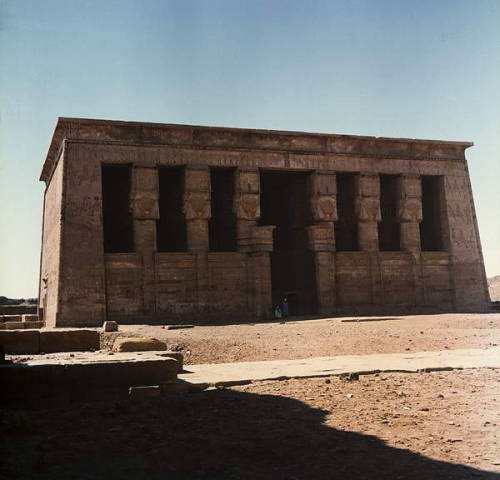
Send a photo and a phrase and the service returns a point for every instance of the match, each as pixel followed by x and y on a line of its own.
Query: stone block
pixel 14 325
pixel 20 341
pixel 12 318
pixel 110 326
pixel 138 344
pixel 35 324
pixel 144 392
pixel 84 377
pixel 177 356
pixel 30 317
pixel 68 340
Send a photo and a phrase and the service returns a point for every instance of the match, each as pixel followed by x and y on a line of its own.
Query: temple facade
pixel 170 223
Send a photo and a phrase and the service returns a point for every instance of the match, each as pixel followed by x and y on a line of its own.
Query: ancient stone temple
pixel 174 223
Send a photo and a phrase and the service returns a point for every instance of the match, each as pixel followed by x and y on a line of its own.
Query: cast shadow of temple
pixel 224 435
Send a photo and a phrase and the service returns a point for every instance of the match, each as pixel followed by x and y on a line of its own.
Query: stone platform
pixel 84 374
pixel 227 374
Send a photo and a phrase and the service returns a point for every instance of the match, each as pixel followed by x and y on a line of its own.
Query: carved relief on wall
pixel 247 195
pixel 197 179
pixel 247 207
pixel 144 208
pixel 410 210
pixel 323 183
pixel 321 237
pixel 368 185
pixel 262 238
pixel 248 181
pixel 368 209
pixel 410 186
pixel 144 201
pixel 324 208
pixel 323 189
pixel 367 206
pixel 197 205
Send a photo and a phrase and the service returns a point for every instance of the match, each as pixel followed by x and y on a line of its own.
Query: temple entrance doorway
pixel 285 204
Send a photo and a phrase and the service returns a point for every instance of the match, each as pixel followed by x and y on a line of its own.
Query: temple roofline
pixel 259 139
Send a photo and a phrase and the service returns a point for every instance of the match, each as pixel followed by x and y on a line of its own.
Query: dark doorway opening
pixel 171 226
pixel 284 203
pixel 222 224
pixel 431 228
pixel 388 228
pixel 346 227
pixel 117 219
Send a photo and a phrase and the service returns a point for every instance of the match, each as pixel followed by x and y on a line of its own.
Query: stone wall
pixel 50 264
pixel 85 285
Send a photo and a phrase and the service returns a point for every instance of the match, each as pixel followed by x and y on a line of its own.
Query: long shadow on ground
pixel 208 435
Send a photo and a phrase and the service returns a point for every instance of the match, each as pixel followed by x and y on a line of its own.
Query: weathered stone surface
pixel 110 326
pixel 35 324
pixel 13 325
pixel 83 376
pixel 20 341
pixel 12 318
pixel 138 344
pixel 68 340
pixel 30 317
pixel 177 356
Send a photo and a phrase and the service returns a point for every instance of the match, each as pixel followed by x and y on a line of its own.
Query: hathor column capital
pixel 196 207
pixel 409 211
pixel 367 209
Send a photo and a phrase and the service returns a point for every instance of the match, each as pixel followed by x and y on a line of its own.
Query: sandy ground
pixel 326 337
pixel 441 425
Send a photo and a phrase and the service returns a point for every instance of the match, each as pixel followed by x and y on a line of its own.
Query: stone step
pixel 84 375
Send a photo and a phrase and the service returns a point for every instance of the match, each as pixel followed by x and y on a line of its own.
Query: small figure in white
pixel 277 312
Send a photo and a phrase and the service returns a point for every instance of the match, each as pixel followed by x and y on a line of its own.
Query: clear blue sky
pixel 401 68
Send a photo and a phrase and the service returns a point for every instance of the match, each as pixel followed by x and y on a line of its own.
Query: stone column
pixel 196 207
pixel 409 211
pixel 323 199
pixel 256 241
pixel 246 206
pixel 368 210
pixel 145 212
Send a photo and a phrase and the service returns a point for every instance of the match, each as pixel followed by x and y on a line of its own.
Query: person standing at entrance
pixel 284 308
